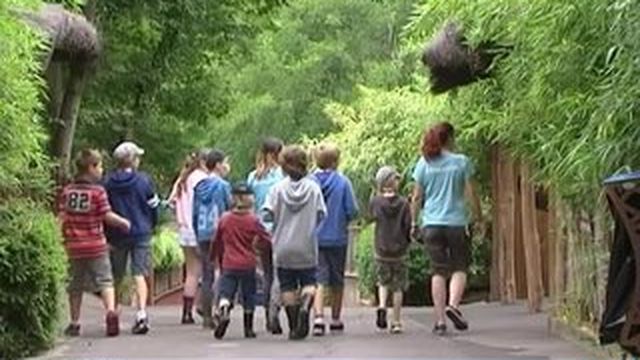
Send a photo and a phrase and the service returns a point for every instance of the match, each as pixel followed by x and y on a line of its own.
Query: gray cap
pixel 127 150
pixel 384 174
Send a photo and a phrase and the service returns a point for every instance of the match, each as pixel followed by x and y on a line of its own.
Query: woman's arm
pixel 472 196
pixel 416 208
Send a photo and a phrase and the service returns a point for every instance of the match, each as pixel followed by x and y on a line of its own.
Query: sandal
pixel 337 326
pixel 319 327
pixel 459 322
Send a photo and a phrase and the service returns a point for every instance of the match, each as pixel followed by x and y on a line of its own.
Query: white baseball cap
pixel 127 150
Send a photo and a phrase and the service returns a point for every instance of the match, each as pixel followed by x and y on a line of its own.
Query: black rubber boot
pixel 248 325
pixel 292 315
pixel 276 328
pixel 303 317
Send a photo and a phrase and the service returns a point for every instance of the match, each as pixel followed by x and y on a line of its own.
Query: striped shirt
pixel 83 207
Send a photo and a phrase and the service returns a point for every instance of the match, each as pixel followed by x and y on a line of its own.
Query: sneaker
pixel 440 329
pixel 459 322
pixel 336 326
pixel 225 319
pixel 141 327
pixel 113 324
pixel 381 320
pixel 72 330
pixel 319 327
pixel 396 328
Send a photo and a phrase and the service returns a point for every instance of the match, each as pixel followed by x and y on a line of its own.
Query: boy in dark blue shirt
pixel 132 195
pixel 333 235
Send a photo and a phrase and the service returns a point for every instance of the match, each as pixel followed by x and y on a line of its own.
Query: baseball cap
pixel 126 150
pixel 384 174
pixel 241 188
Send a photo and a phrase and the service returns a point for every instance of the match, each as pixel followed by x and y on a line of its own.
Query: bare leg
pixel 290 298
pixel 383 295
pixel 336 302
pixel 194 268
pixel 397 306
pixel 141 291
pixel 318 306
pixel 109 298
pixel 439 294
pixel 75 302
pixel 456 288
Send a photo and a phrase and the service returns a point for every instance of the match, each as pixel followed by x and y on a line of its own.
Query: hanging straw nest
pixel 452 63
pixel 73 38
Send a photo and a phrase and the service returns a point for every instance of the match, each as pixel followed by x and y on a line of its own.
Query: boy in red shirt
pixel 83 209
pixel 239 233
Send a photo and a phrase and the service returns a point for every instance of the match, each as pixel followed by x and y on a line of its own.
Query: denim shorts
pixel 244 280
pixel 331 264
pixel 294 279
pixel 136 253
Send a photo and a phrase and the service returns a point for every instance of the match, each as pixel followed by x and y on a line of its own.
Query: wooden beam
pixel 531 239
pixel 496 243
pixel 508 228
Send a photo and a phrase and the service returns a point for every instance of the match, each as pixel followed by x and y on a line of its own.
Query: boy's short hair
pixel 294 161
pixel 126 153
pixel 327 156
pixel 87 158
pixel 213 157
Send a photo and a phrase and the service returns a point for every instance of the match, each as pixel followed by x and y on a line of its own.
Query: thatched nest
pixel 73 38
pixel 453 63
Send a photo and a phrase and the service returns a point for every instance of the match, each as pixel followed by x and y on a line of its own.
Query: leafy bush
pixel 32 274
pixel 167 253
pixel 419 265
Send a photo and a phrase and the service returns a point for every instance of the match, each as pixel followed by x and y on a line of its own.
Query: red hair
pixel 435 139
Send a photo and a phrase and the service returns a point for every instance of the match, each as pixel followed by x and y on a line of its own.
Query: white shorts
pixel 187 238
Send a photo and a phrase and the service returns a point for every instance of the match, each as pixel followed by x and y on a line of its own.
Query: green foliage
pixel 166 251
pixel 32 268
pixel 316 54
pixel 565 98
pixel 20 133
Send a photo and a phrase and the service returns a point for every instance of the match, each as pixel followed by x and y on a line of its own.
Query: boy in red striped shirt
pixel 83 208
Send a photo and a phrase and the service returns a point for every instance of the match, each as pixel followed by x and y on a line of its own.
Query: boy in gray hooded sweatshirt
pixel 295 206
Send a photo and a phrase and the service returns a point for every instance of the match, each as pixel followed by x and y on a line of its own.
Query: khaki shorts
pixel 90 274
pixel 448 248
pixel 393 275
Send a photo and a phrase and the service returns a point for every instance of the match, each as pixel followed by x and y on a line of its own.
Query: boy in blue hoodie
pixel 211 198
pixel 131 194
pixel 333 236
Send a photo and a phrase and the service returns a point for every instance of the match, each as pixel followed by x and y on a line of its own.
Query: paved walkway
pixel 497 332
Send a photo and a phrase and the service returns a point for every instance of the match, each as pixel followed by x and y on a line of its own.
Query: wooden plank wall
pixel 525 260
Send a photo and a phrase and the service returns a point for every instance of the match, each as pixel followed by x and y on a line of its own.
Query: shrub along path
pixel 498 332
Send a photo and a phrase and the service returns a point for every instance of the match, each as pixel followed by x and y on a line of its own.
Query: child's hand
pixel 416 235
pixel 126 225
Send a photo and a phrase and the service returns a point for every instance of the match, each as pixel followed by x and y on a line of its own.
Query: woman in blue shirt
pixel 442 184
pixel 261 180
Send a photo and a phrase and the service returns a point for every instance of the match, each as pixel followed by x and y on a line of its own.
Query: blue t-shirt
pixel 262 186
pixel 443 182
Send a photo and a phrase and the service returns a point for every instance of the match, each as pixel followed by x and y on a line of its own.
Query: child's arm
pixel 406 221
pixel 114 220
pixel 350 202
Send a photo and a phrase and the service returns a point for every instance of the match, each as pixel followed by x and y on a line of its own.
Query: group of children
pixel 291 222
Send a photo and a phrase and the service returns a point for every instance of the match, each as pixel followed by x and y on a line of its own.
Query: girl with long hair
pixel 266 174
pixel 181 199
pixel 443 183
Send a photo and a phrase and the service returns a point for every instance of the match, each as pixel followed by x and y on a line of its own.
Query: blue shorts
pixel 136 252
pixel 294 279
pixel 331 264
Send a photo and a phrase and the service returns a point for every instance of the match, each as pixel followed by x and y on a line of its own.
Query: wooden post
pixel 496 284
pixel 508 229
pixel 531 240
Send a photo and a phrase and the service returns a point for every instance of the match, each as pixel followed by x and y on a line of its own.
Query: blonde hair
pixel 327 156
pixel 87 158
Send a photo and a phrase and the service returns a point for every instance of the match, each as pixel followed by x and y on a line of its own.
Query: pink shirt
pixel 184 202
